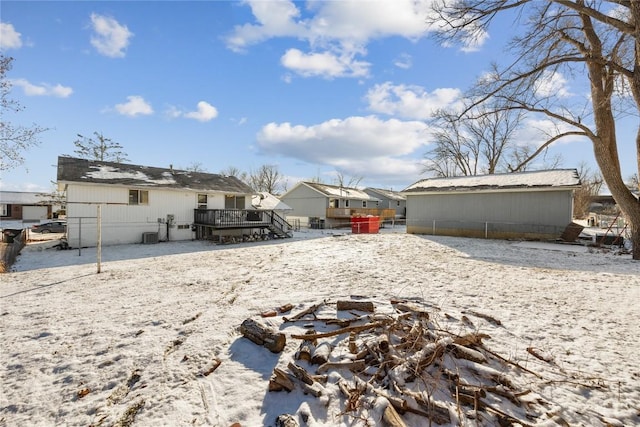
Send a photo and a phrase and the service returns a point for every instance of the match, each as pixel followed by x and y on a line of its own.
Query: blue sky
pixel 313 87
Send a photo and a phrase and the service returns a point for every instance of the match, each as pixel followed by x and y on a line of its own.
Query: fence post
pixel 433 232
pixel 486 230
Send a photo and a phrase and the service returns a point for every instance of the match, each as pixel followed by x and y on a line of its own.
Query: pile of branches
pixel 401 365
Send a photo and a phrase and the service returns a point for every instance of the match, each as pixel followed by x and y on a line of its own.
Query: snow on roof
pixel 341 192
pixel 21 198
pixel 104 172
pixel 267 201
pixel 389 194
pixel 533 179
pixel 91 171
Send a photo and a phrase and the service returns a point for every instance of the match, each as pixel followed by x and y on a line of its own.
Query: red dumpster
pixel 365 224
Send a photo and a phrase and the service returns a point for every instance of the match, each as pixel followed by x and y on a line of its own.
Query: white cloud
pixel 356 145
pixel 538 130
pixel 135 106
pixel 9 37
pixel 552 84
pixel 110 37
pixel 43 89
pixel 411 102
pixel 324 64
pixel 205 112
pixel 404 61
pixel 328 28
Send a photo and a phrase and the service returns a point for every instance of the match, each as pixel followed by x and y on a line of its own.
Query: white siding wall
pixel 124 223
pixel 306 202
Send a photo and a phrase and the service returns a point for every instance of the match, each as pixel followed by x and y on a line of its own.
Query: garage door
pixel 34 212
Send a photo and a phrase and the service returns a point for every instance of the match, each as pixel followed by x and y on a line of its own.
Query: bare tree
pixel 343 180
pixel 590 185
pixel 478 141
pixel 634 183
pixel 55 198
pixel 101 148
pixel 235 172
pixel 196 167
pixel 596 39
pixel 14 139
pixel 267 178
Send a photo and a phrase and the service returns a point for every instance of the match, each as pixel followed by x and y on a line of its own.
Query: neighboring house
pixel 536 205
pixel 389 199
pixel 24 206
pixel 141 203
pixel 330 206
pixel 267 201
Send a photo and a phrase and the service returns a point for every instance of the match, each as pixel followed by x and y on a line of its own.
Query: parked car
pixel 50 227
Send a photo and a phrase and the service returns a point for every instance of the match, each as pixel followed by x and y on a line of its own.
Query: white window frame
pixel 141 197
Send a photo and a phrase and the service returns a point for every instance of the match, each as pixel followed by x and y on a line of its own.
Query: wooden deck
pixel 384 214
pixel 208 222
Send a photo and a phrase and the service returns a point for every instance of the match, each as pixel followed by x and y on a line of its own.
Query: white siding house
pixel 533 205
pixel 322 205
pixel 134 200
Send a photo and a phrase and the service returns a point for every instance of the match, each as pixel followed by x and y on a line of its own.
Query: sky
pixel 155 336
pixel 317 89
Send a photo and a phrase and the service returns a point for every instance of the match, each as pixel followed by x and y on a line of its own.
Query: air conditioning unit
pixel 149 238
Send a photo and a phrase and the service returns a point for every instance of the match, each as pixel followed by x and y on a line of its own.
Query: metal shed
pixel 530 205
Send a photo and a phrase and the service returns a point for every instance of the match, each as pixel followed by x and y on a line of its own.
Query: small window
pixel 202 201
pixel 138 197
pixel 346 203
pixel 398 203
pixel 4 210
pixel 364 203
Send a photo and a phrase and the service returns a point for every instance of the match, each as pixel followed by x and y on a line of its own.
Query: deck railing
pixel 239 218
pixel 349 212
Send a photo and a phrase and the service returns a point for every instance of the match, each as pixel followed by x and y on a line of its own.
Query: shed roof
pixel 557 178
pixel 97 172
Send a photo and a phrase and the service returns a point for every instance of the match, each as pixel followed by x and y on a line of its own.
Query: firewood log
pixel 356 305
pixel 285 308
pixel 300 373
pixel 411 308
pixel 262 334
pixel 339 331
pixel 280 381
pixel 310 310
pixel 321 353
pixel 356 365
pixel 391 418
pixel 306 348
pixel 462 352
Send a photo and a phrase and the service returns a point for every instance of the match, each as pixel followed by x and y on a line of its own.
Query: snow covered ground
pixel 137 343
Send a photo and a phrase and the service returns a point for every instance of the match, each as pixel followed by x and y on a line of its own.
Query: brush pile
pixel 399 365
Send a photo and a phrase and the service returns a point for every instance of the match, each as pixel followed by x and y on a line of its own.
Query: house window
pixel 138 197
pixel 346 203
pixel 234 202
pixel 4 210
pixel 364 203
pixel 398 203
pixel 202 201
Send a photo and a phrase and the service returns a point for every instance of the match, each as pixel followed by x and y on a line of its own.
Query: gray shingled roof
pixel 96 172
pixel 389 194
pixel 341 192
pixel 524 180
